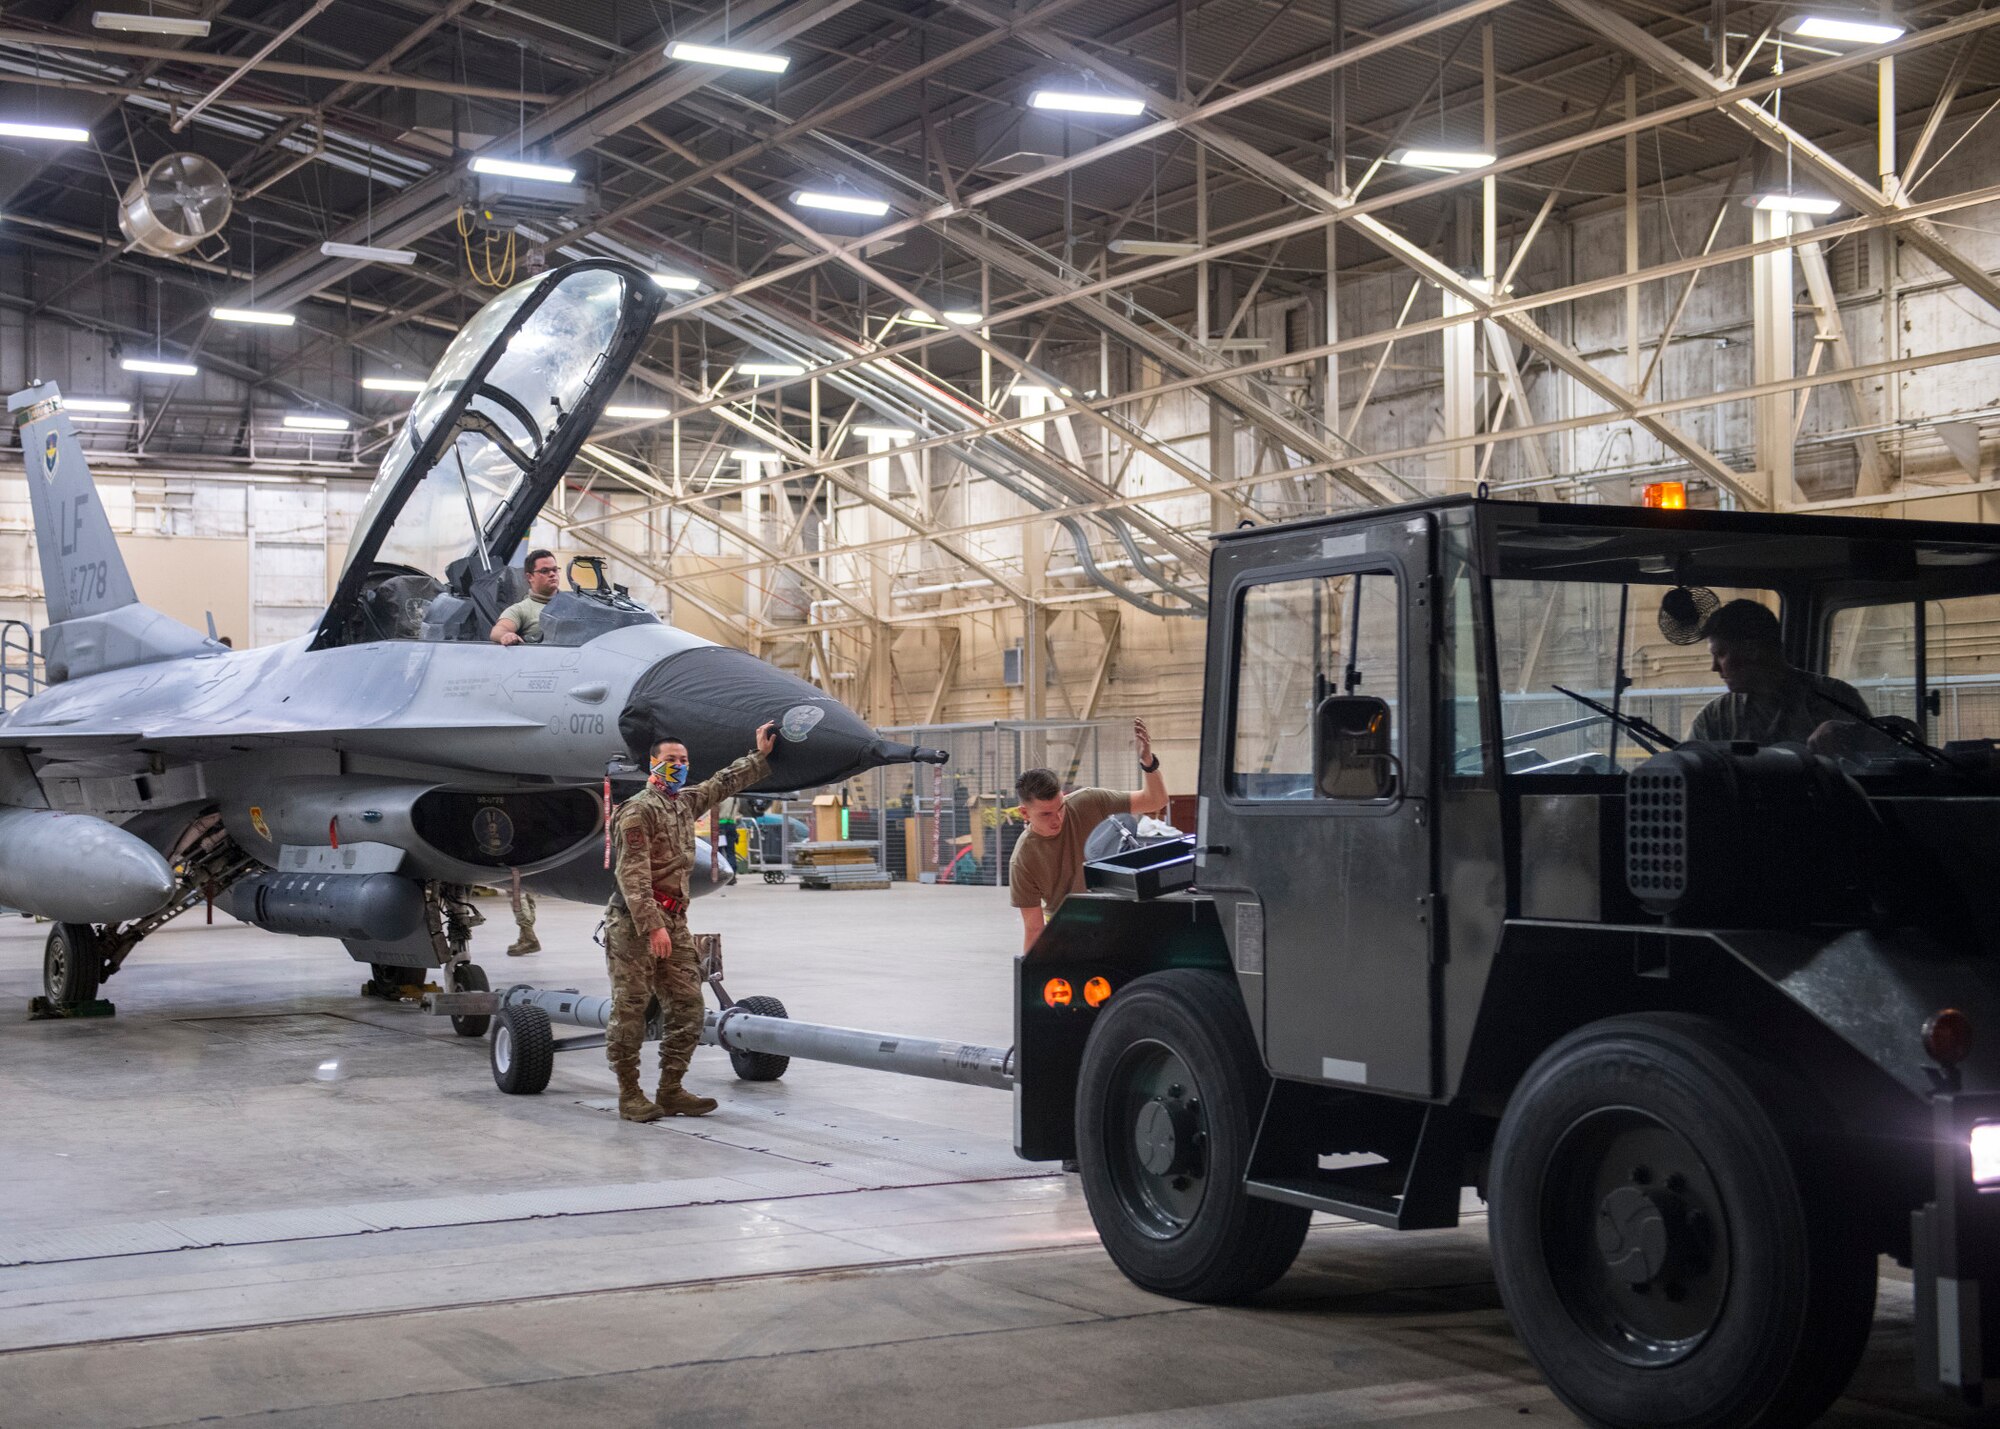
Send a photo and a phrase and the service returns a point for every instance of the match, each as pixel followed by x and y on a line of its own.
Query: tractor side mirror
pixel 1352 743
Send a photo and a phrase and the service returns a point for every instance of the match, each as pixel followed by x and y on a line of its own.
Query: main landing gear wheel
pixel 72 964
pixel 1669 1253
pixel 760 1066
pixel 470 977
pixel 1167 1105
pixel 523 1050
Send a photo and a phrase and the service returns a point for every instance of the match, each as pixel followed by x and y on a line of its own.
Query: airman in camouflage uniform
pixel 647 945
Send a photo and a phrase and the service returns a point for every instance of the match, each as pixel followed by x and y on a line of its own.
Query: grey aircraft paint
pixel 396 739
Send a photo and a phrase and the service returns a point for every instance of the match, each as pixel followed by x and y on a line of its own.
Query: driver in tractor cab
pixel 1770 701
pixel 521 622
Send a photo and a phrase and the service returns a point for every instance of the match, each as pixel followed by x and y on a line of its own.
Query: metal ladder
pixel 20 664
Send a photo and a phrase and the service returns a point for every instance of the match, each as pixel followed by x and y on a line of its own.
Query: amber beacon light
pixel 1667 495
pixel 1056 992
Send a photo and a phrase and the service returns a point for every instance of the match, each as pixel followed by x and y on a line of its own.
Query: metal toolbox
pixel 1145 872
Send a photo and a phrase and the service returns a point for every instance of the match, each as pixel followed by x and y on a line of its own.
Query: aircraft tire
pixel 1167 1105
pixel 1671 1248
pixel 470 977
pixel 760 1066
pixel 71 964
pixel 523 1051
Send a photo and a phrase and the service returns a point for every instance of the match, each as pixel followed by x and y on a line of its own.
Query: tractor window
pixel 1299 643
pixel 1874 648
pixel 1582 635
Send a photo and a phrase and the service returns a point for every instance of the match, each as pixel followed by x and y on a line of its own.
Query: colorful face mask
pixel 671 772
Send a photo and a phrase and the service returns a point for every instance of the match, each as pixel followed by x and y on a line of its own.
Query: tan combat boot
pixel 523 945
pixel 632 1103
pixel 676 1100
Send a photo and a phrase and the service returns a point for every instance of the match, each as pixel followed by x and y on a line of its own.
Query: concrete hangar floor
pixel 254 1196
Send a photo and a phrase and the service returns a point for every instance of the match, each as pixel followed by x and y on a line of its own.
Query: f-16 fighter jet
pixel 356 782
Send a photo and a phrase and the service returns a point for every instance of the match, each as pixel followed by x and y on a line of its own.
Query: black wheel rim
pixel 1635 1236
pixel 1156 1139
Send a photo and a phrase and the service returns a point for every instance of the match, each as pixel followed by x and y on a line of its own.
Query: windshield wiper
pixel 1889 728
pixel 1650 736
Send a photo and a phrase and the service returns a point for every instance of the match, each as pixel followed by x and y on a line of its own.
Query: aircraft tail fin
pixel 82 570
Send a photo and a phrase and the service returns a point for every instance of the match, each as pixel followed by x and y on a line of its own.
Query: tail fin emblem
pixel 49 458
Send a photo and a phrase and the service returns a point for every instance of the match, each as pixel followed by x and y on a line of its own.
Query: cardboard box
pixel 827 809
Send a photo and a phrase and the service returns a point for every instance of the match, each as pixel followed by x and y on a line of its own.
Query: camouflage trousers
pixel 637 977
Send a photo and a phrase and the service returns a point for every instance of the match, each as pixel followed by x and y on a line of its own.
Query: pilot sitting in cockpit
pixel 521 622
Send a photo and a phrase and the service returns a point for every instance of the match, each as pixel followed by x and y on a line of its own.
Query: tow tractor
pixel 1709 1026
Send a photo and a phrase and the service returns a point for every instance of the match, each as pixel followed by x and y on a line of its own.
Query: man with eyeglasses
pixel 521 622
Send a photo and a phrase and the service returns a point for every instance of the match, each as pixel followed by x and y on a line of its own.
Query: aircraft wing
pixel 86 740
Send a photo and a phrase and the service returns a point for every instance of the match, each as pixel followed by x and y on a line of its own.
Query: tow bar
pixel 760 1038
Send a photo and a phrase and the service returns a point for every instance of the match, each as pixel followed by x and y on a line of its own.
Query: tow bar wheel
pixel 1668 1253
pixel 522 1050
pixel 1167 1103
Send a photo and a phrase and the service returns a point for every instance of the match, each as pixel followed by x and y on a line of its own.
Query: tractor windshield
pixel 1712 626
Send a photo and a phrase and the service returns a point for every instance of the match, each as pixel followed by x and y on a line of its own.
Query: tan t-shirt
pixel 1047 870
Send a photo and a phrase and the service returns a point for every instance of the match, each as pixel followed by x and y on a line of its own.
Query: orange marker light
pixel 1948 1037
pixel 1056 992
pixel 1666 495
pixel 1097 992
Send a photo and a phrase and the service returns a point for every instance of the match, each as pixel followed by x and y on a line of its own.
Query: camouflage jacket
pixel 653 838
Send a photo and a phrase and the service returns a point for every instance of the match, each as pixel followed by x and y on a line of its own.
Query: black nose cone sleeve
pixel 713 699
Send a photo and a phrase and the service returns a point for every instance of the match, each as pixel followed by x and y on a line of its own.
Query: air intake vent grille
pixel 1656 850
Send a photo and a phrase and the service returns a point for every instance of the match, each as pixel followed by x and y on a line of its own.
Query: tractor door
pixel 1317 824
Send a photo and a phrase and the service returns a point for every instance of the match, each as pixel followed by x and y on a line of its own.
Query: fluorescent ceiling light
pixel 393 384
pixel 160 366
pixel 728 59
pixel 62 133
pixel 840 203
pixel 1797 203
pixel 920 318
pixel 770 369
pixel 894 434
pixel 126 421
pixel 638 414
pixel 369 254
pixel 751 454
pixel 1152 248
pixel 964 317
pixel 1075 102
pixel 519 169
pixel 300 422
pixel 1242 344
pixel 96 404
pixel 149 24
pixel 1440 158
pixel 677 282
pixel 251 315
pixel 1853 32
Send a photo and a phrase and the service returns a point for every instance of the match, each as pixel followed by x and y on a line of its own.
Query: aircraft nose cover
pixel 713 699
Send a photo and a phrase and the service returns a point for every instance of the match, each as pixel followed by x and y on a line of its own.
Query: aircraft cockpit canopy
pixel 494 429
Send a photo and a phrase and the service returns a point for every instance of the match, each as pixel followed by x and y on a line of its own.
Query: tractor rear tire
pixel 523 1051
pixel 760 1066
pixel 72 965
pixel 1167 1106
pixel 470 977
pixel 1671 1246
